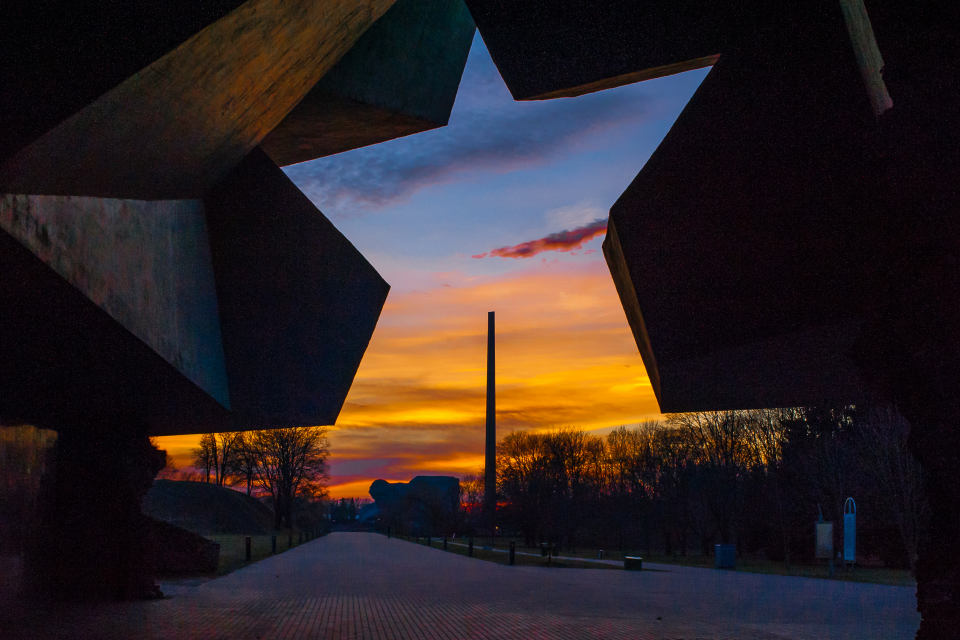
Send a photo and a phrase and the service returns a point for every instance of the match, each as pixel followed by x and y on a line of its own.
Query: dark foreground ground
pixel 362 585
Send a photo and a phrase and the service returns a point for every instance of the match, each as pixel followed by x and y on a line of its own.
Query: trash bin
pixel 725 556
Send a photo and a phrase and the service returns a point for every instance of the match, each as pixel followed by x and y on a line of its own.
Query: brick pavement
pixel 364 586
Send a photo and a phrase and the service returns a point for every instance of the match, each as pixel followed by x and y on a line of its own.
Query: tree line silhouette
pixel 756 478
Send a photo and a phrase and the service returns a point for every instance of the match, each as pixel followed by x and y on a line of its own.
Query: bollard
pixel 470 547
pixel 444 543
pixel 388 532
pixel 273 544
pixel 246 542
pixel 301 538
pixel 429 541
pixel 513 552
pixel 289 539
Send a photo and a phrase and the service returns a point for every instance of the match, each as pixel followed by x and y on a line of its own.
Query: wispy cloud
pixel 567 240
pixel 487 132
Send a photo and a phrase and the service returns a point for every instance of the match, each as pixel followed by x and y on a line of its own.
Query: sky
pixel 503 210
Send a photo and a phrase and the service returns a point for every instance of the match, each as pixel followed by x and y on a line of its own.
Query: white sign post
pixel 824 549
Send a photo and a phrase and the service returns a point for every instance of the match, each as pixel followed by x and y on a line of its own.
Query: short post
pixel 470 547
pixel 388 532
pixel 301 538
pixel 429 541
pixel 513 552
pixel 273 543
pixel 289 539
pixel 246 542
pixel 444 543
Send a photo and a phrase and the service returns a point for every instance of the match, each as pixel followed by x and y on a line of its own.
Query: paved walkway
pixel 362 585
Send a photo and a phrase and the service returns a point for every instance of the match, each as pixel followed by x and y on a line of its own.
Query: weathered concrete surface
pixel 146 263
pixel 298 303
pixel 357 585
pixel 744 283
pixel 67 362
pixel 401 77
pixel 174 128
pixel 118 315
pixel 122 313
pixel 60 56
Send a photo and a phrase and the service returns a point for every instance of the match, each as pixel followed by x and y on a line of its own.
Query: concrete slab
pixel 400 78
pixel 360 585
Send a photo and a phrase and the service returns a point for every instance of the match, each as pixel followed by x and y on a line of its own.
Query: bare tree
pixel 671 458
pixel 203 455
pixel 471 498
pixel 290 463
pixel 766 437
pixel 720 441
pixel 243 465
pixel 521 476
pixel 216 455
pixel 882 441
pixel 632 474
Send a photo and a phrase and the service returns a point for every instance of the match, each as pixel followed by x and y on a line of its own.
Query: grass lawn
pixel 750 564
pixel 233 548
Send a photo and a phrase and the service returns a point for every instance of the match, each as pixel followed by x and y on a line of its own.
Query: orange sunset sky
pixel 463 220
pixel 565 357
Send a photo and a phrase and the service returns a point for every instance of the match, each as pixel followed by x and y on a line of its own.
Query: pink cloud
pixel 564 241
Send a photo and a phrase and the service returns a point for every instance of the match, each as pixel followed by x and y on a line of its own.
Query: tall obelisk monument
pixel 490 464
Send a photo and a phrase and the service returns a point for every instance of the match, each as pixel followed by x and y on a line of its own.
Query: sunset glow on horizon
pixel 444 235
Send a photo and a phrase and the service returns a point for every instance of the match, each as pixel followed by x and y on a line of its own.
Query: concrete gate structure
pixel 159 274
pixel 793 240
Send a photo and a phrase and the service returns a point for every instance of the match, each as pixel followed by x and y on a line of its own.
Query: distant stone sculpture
pixel 427 505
